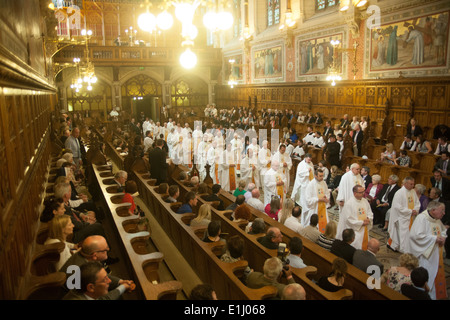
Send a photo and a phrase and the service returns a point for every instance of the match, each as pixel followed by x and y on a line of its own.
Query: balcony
pixel 122 56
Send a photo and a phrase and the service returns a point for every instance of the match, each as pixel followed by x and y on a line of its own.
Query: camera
pixel 282 254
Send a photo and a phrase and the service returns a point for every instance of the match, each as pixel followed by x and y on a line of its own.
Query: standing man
pixel 73 144
pixel 358 137
pixel 305 173
pixel 348 181
pixel 405 207
pixel 357 215
pixel 274 183
pixel 317 197
pixel 426 241
pixel 285 162
pixel 332 151
pixel 158 165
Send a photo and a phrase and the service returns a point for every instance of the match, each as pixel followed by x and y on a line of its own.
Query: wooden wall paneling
pixel 438 94
pixel 381 96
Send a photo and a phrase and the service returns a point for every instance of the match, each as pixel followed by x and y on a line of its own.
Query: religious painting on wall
pixel 236 69
pixel 316 55
pixel 268 64
pixel 414 46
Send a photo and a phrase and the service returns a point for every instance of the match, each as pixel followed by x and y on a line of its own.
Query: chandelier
pixel 85 71
pixel 216 19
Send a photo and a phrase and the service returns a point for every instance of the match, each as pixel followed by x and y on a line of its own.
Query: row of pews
pixel 204 258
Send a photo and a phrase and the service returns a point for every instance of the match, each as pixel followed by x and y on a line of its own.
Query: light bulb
pixel 210 20
pixel 164 20
pixel 147 21
pixel 188 59
pixel 89 87
pixel 225 20
pixel 190 31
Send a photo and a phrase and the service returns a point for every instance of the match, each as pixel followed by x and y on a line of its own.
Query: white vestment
pixel 305 173
pixel 348 181
pixel 270 185
pixel 400 218
pixel 255 162
pixel 211 160
pixel 352 217
pixel 312 199
pixel 422 244
pixel 200 158
pixel 284 158
pixel 224 171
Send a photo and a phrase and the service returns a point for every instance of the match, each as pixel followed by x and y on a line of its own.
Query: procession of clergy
pixel 230 157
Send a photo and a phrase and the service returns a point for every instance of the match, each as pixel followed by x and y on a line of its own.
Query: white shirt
pixel 294 224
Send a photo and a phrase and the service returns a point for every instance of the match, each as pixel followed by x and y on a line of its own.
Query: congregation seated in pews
pixel 219 172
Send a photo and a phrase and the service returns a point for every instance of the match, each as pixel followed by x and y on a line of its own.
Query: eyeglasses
pixel 105 250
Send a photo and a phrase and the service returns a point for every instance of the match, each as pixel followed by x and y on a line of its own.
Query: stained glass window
pixel 323 4
pixel 273 12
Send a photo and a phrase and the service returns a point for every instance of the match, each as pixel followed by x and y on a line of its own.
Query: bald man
pixel 294 291
pixel 364 259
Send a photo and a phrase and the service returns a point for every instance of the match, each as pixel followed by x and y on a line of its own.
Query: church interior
pixel 100 65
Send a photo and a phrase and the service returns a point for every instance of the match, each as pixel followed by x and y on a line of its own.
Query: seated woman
pixel 204 216
pixel 273 208
pixel 130 189
pixel 422 145
pixel 286 210
pixel 52 207
pixel 163 188
pixel 327 238
pixel 337 129
pixel 242 213
pixel 335 281
pixel 241 188
pixel 363 124
pixel 234 252
pixel 388 156
pixel 202 188
pixel 213 232
pixel 60 227
pixel 403 160
pixel 373 188
pixel 394 277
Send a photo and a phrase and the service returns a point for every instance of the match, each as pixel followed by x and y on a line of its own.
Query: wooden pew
pixel 312 254
pixel 202 256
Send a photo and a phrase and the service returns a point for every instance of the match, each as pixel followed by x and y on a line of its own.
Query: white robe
pixel 211 160
pixel 301 182
pixel 349 219
pixel 200 158
pixel 257 173
pixel 312 200
pixel 400 217
pixel 224 170
pixel 422 244
pixel 282 158
pixel 246 170
pixel 348 181
pixel 270 185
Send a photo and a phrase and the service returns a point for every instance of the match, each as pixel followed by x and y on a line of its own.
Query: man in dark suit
pixel 272 238
pixel 362 259
pixel 158 165
pixel 214 197
pixel 383 202
pixel 332 151
pixel 358 137
pixel 418 290
pixel 443 164
pixel 365 174
pixel 344 122
pixel 343 248
pixel 441 183
pixel 328 129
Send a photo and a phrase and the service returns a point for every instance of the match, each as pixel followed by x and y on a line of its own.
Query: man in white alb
pixel 357 215
pixel 348 181
pixel 274 183
pixel 305 173
pixel 317 196
pixel 426 241
pixel 285 162
pixel 404 209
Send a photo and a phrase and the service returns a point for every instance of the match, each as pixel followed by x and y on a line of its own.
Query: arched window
pixel 188 93
pixel 273 12
pixel 323 4
pixel 140 86
pixel 99 98
pixel 237 27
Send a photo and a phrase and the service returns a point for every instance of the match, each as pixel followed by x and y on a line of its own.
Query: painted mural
pixel 238 67
pixel 268 63
pixel 316 55
pixel 419 42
